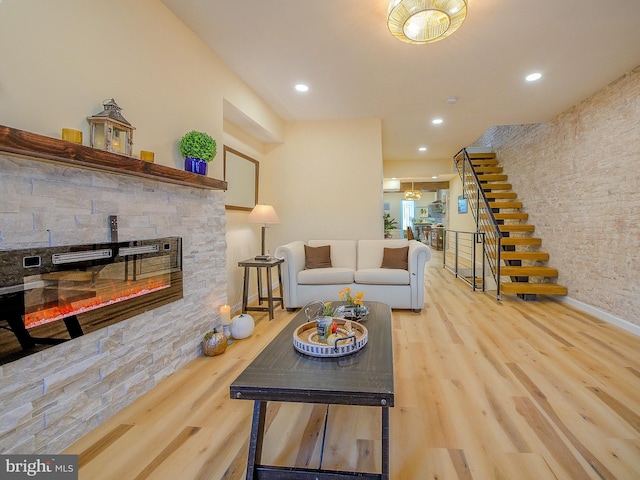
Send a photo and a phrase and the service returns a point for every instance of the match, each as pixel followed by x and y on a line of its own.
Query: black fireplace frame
pixel 16 341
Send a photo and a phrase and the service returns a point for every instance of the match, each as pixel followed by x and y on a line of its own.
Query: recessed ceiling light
pixel 422 149
pixel 451 100
pixel 301 87
pixel 437 121
pixel 532 77
pixel 434 177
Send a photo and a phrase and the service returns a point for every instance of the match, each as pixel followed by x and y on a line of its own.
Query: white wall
pixel 455 221
pixel 325 181
pixel 416 168
pixel 60 60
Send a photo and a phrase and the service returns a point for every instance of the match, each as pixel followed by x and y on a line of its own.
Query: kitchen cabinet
pixel 437 238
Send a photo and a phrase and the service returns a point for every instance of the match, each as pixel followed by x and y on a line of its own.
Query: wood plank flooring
pixel 484 390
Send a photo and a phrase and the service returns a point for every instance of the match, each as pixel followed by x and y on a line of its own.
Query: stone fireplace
pixel 55 396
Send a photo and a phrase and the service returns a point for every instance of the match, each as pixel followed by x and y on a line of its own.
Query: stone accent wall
pixel 51 399
pixel 579 179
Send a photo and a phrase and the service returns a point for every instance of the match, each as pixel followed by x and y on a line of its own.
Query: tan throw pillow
pixel 397 258
pixel 317 257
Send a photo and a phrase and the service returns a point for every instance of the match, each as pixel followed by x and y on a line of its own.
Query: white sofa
pixel 355 264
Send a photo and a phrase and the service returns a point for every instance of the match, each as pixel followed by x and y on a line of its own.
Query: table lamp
pixel 264 214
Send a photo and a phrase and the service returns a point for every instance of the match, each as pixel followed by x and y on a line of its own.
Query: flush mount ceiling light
pixel 425 21
pixel 422 149
pixel 436 121
pixel 532 77
pixel 412 194
pixel 302 87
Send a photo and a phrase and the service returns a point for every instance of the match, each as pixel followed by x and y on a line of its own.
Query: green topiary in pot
pixel 198 145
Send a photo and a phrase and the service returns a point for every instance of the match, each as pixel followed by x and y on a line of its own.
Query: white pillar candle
pixel 225 314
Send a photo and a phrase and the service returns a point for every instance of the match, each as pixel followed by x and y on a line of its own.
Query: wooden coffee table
pixel 282 374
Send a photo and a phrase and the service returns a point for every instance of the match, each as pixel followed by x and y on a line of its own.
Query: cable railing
pixel 486 223
pixel 464 257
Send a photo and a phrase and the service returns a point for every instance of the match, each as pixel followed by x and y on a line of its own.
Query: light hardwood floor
pixel 484 390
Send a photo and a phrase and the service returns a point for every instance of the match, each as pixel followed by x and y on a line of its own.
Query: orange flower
pixel 345 296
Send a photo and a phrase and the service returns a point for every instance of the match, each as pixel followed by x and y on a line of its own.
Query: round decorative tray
pixel 352 336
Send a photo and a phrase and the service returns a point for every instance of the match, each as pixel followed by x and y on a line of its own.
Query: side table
pixel 271 300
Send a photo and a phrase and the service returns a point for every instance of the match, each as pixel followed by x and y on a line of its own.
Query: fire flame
pixel 67 309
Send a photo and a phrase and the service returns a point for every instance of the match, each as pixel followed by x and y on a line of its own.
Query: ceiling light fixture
pixel 425 21
pixel 422 149
pixel 301 87
pixel 532 77
pixel 412 194
pixel 437 121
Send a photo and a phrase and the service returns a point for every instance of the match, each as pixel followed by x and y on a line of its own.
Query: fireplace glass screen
pixel 52 295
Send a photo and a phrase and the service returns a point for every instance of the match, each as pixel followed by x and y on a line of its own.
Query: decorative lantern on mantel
pixel 110 131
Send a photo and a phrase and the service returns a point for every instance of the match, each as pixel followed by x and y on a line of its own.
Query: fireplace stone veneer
pixel 52 398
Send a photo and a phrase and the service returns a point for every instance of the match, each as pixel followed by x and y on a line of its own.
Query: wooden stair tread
pixel 516 228
pixel 533 288
pixel 482 156
pixel 496 186
pixel 522 255
pixel 505 204
pixel 493 177
pixel 509 216
pixel 500 194
pixel 484 162
pixel 518 241
pixel 488 169
pixel 528 271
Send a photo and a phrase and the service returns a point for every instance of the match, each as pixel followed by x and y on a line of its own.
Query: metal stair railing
pixel 486 223
pixel 461 256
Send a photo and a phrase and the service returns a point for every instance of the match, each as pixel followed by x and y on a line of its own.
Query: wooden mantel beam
pixel 48 149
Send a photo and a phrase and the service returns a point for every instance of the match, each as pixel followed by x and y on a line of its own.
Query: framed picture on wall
pixel 241 173
pixel 462 204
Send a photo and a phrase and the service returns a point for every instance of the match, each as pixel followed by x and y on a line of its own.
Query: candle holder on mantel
pixel 110 131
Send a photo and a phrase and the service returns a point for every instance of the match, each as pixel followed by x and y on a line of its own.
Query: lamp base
pixel 262 257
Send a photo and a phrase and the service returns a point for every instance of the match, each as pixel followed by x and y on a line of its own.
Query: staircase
pixel 512 250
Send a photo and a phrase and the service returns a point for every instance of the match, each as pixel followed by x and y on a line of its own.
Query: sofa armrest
pixel 294 259
pixel 419 255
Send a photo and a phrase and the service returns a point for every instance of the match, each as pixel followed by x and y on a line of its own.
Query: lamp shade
pixel 412 194
pixel 263 214
pixel 425 21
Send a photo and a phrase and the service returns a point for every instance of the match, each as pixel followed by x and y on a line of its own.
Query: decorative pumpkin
pixel 214 343
pixel 242 326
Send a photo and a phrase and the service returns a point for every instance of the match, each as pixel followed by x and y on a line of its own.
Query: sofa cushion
pixel 370 252
pixel 343 252
pixel 396 258
pixel 325 276
pixel 317 257
pixel 382 276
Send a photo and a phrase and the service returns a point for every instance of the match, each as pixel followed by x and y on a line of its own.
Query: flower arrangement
pixel 327 309
pixel 345 296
